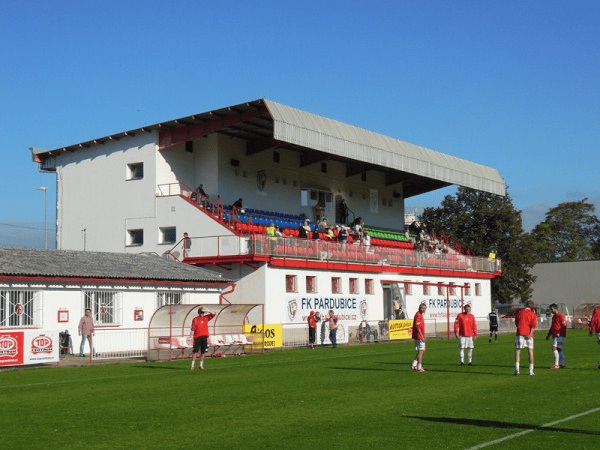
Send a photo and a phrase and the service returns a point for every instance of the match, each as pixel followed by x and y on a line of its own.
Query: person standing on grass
pixel 332 321
pixel 200 334
pixel 594 326
pixel 86 331
pixel 313 319
pixel 558 332
pixel 493 319
pixel 526 322
pixel 418 334
pixel 465 330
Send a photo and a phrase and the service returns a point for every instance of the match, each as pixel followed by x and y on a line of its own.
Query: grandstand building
pixel 140 190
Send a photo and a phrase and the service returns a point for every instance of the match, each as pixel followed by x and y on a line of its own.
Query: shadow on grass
pixel 499 424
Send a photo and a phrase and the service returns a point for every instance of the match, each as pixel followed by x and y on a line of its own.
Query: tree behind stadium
pixel 570 232
pixel 486 222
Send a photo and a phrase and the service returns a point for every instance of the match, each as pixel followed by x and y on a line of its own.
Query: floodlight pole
pixel 45 189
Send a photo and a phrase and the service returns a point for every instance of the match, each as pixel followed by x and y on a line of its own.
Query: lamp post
pixel 45 189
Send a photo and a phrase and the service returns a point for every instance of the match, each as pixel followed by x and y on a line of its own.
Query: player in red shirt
pixel 465 330
pixel 594 326
pixel 526 322
pixel 200 335
pixel 418 334
pixel 558 332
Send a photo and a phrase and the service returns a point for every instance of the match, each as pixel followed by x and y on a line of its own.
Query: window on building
pixel 452 288
pixel 477 289
pixel 440 289
pixel 311 284
pixel 105 306
pixel 369 286
pixel 353 285
pixel 336 285
pixel 20 308
pixel 167 235
pixel 135 237
pixel 135 171
pixel 426 288
pixel 168 298
pixel 291 283
pixel 276 157
pixel 408 287
pixel 467 288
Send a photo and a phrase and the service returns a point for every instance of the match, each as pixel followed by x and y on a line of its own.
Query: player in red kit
pixel 526 322
pixel 200 335
pixel 465 329
pixel 558 332
pixel 418 334
pixel 594 326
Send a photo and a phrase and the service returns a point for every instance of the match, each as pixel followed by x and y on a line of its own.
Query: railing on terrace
pixel 321 250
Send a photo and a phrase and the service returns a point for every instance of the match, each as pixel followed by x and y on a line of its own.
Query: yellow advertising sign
pixel 272 335
pixel 400 329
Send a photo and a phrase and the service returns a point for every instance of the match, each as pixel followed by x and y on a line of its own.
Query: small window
pixel 426 288
pixel 168 298
pixel 363 176
pixel 323 167
pixel 276 157
pixel 135 237
pixel 168 235
pixel 353 285
pixel 452 288
pixel 311 284
pixel 135 171
pixel 477 289
pixel 105 306
pixel 467 288
pixel 336 285
pixel 290 283
pixel 369 286
pixel 408 287
pixel 440 287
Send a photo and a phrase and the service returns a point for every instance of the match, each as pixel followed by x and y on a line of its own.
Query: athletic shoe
pixel 191 369
pixel 413 367
pixel 563 367
pixel 470 364
pixel 421 370
pixel 554 367
pixel 462 363
pixel 531 373
pixel 201 368
pixel 516 372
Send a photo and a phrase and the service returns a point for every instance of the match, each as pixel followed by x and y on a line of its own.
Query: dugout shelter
pixel 231 330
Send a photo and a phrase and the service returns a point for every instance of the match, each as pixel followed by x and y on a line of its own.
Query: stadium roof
pixel 266 124
pixel 68 264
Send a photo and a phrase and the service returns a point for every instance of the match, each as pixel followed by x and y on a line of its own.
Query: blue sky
pixel 513 85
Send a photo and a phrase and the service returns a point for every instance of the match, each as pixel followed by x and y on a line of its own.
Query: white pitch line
pixel 521 433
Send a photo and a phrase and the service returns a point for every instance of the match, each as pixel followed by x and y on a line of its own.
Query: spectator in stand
pixel 200 190
pixel 313 320
pixel 526 322
pixel 493 320
pixel 396 307
pixel 270 231
pixel 304 230
pixel 199 333
pixel 343 236
pixel 418 334
pixel 330 235
pixel 86 331
pixel 366 239
pixel 465 330
pixel 558 332
pixel 594 326
pixel 237 208
pixel 332 321
pixel 323 224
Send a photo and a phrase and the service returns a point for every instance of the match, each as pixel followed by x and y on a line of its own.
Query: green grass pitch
pixel 348 397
